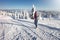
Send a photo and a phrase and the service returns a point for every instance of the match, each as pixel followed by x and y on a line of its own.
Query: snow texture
pixel 24 29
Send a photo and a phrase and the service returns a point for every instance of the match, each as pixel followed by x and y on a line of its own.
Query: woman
pixel 35 18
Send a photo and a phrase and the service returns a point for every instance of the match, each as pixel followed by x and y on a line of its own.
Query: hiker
pixel 35 19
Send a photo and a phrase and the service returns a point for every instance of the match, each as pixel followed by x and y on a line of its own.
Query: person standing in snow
pixel 35 18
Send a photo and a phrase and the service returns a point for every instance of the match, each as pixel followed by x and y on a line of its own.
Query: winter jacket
pixel 35 15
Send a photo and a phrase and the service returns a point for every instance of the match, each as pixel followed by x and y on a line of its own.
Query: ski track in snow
pixel 41 33
pixel 51 34
pixel 31 30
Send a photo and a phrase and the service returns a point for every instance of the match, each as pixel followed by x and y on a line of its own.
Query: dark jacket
pixel 35 15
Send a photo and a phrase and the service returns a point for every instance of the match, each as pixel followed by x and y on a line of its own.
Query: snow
pixel 24 29
pixel 50 22
pixel 5 17
pixel 7 28
pixel 41 30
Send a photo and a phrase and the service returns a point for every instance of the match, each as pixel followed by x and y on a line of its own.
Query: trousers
pixel 35 22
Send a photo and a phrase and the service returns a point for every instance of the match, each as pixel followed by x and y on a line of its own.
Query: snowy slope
pixel 46 32
pixel 11 29
pixel 8 28
pixel 50 22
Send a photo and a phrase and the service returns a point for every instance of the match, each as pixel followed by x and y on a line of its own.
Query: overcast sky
pixel 27 4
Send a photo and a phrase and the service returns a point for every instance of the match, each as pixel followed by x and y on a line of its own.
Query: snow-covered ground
pixel 24 29
pixel 50 22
